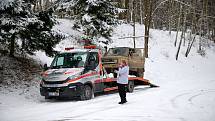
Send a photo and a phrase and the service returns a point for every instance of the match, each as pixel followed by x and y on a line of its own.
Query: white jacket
pixel 122 75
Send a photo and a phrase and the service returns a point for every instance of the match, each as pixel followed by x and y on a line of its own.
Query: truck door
pixel 93 64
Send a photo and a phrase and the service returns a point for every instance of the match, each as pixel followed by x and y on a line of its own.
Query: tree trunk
pixel 47 4
pixel 201 34
pixel 148 18
pixel 170 16
pixel 213 35
pixel 149 23
pixel 184 29
pixel 179 46
pixel 182 36
pixel 134 20
pixel 189 48
pixel 193 30
pixel 130 8
pixel 40 5
pixel 178 25
pixel 141 12
pixel 12 45
pixel 146 42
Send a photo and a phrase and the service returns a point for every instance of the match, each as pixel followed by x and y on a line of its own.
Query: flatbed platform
pixel 137 81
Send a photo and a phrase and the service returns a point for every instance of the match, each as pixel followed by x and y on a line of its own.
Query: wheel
pixel 130 87
pixel 87 93
pixel 48 97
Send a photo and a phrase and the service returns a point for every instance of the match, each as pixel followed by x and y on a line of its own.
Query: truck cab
pixel 74 73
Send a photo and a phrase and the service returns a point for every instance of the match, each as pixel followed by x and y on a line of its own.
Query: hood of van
pixel 61 74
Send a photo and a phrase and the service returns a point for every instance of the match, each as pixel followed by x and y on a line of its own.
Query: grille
pixel 54 82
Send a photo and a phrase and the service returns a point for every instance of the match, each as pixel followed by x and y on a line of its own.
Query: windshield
pixel 69 60
pixel 120 51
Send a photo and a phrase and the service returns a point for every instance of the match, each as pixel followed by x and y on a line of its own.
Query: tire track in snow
pixel 212 81
pixel 127 118
pixel 91 112
pixel 173 101
pixel 193 94
pixel 188 98
pixel 203 93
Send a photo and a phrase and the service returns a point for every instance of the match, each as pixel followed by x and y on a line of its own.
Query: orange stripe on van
pixel 110 89
pixel 82 76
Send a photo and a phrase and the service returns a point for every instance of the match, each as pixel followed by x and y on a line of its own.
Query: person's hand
pixel 120 65
pixel 115 71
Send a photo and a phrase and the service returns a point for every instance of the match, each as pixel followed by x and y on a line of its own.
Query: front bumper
pixel 69 91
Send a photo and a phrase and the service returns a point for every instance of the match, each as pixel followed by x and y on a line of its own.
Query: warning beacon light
pixel 90 47
pixel 69 48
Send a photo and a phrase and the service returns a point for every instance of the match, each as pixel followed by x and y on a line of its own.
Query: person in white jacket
pixel 122 80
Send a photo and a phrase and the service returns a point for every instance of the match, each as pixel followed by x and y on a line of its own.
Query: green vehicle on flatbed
pixel 133 56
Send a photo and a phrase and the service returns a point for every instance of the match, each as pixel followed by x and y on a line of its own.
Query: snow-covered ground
pixel 186 92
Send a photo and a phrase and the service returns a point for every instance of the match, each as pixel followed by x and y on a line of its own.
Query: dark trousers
pixel 122 91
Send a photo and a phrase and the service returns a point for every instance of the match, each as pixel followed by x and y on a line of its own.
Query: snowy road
pixel 166 103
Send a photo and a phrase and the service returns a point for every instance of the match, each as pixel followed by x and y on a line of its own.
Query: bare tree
pixel 178 25
pixel 148 18
pixel 182 35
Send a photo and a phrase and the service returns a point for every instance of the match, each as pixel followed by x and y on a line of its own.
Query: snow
pixel 186 92
pixel 5 3
pixel 42 58
pixel 64 26
pixel 126 30
pixel 86 18
pixel 93 2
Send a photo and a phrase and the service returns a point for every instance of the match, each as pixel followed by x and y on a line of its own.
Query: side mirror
pixel 45 67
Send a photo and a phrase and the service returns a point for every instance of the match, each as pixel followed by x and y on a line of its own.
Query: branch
pixel 132 37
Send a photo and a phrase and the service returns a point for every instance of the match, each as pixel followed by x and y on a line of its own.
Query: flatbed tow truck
pixel 79 73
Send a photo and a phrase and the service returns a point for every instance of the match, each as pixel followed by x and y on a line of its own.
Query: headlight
pixel 71 87
pixel 73 76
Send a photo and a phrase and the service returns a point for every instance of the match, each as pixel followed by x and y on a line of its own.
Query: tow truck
pixel 79 73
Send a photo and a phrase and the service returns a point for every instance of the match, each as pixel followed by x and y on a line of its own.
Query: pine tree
pixel 21 29
pixel 94 17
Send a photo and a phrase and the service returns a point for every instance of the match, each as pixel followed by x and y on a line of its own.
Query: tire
pixel 130 87
pixel 87 93
pixel 48 97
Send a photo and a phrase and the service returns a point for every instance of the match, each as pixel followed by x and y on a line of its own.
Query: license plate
pixel 53 93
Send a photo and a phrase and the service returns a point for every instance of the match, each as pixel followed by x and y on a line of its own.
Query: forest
pixel 189 18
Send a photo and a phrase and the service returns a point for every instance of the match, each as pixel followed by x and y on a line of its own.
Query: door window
pixel 93 61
